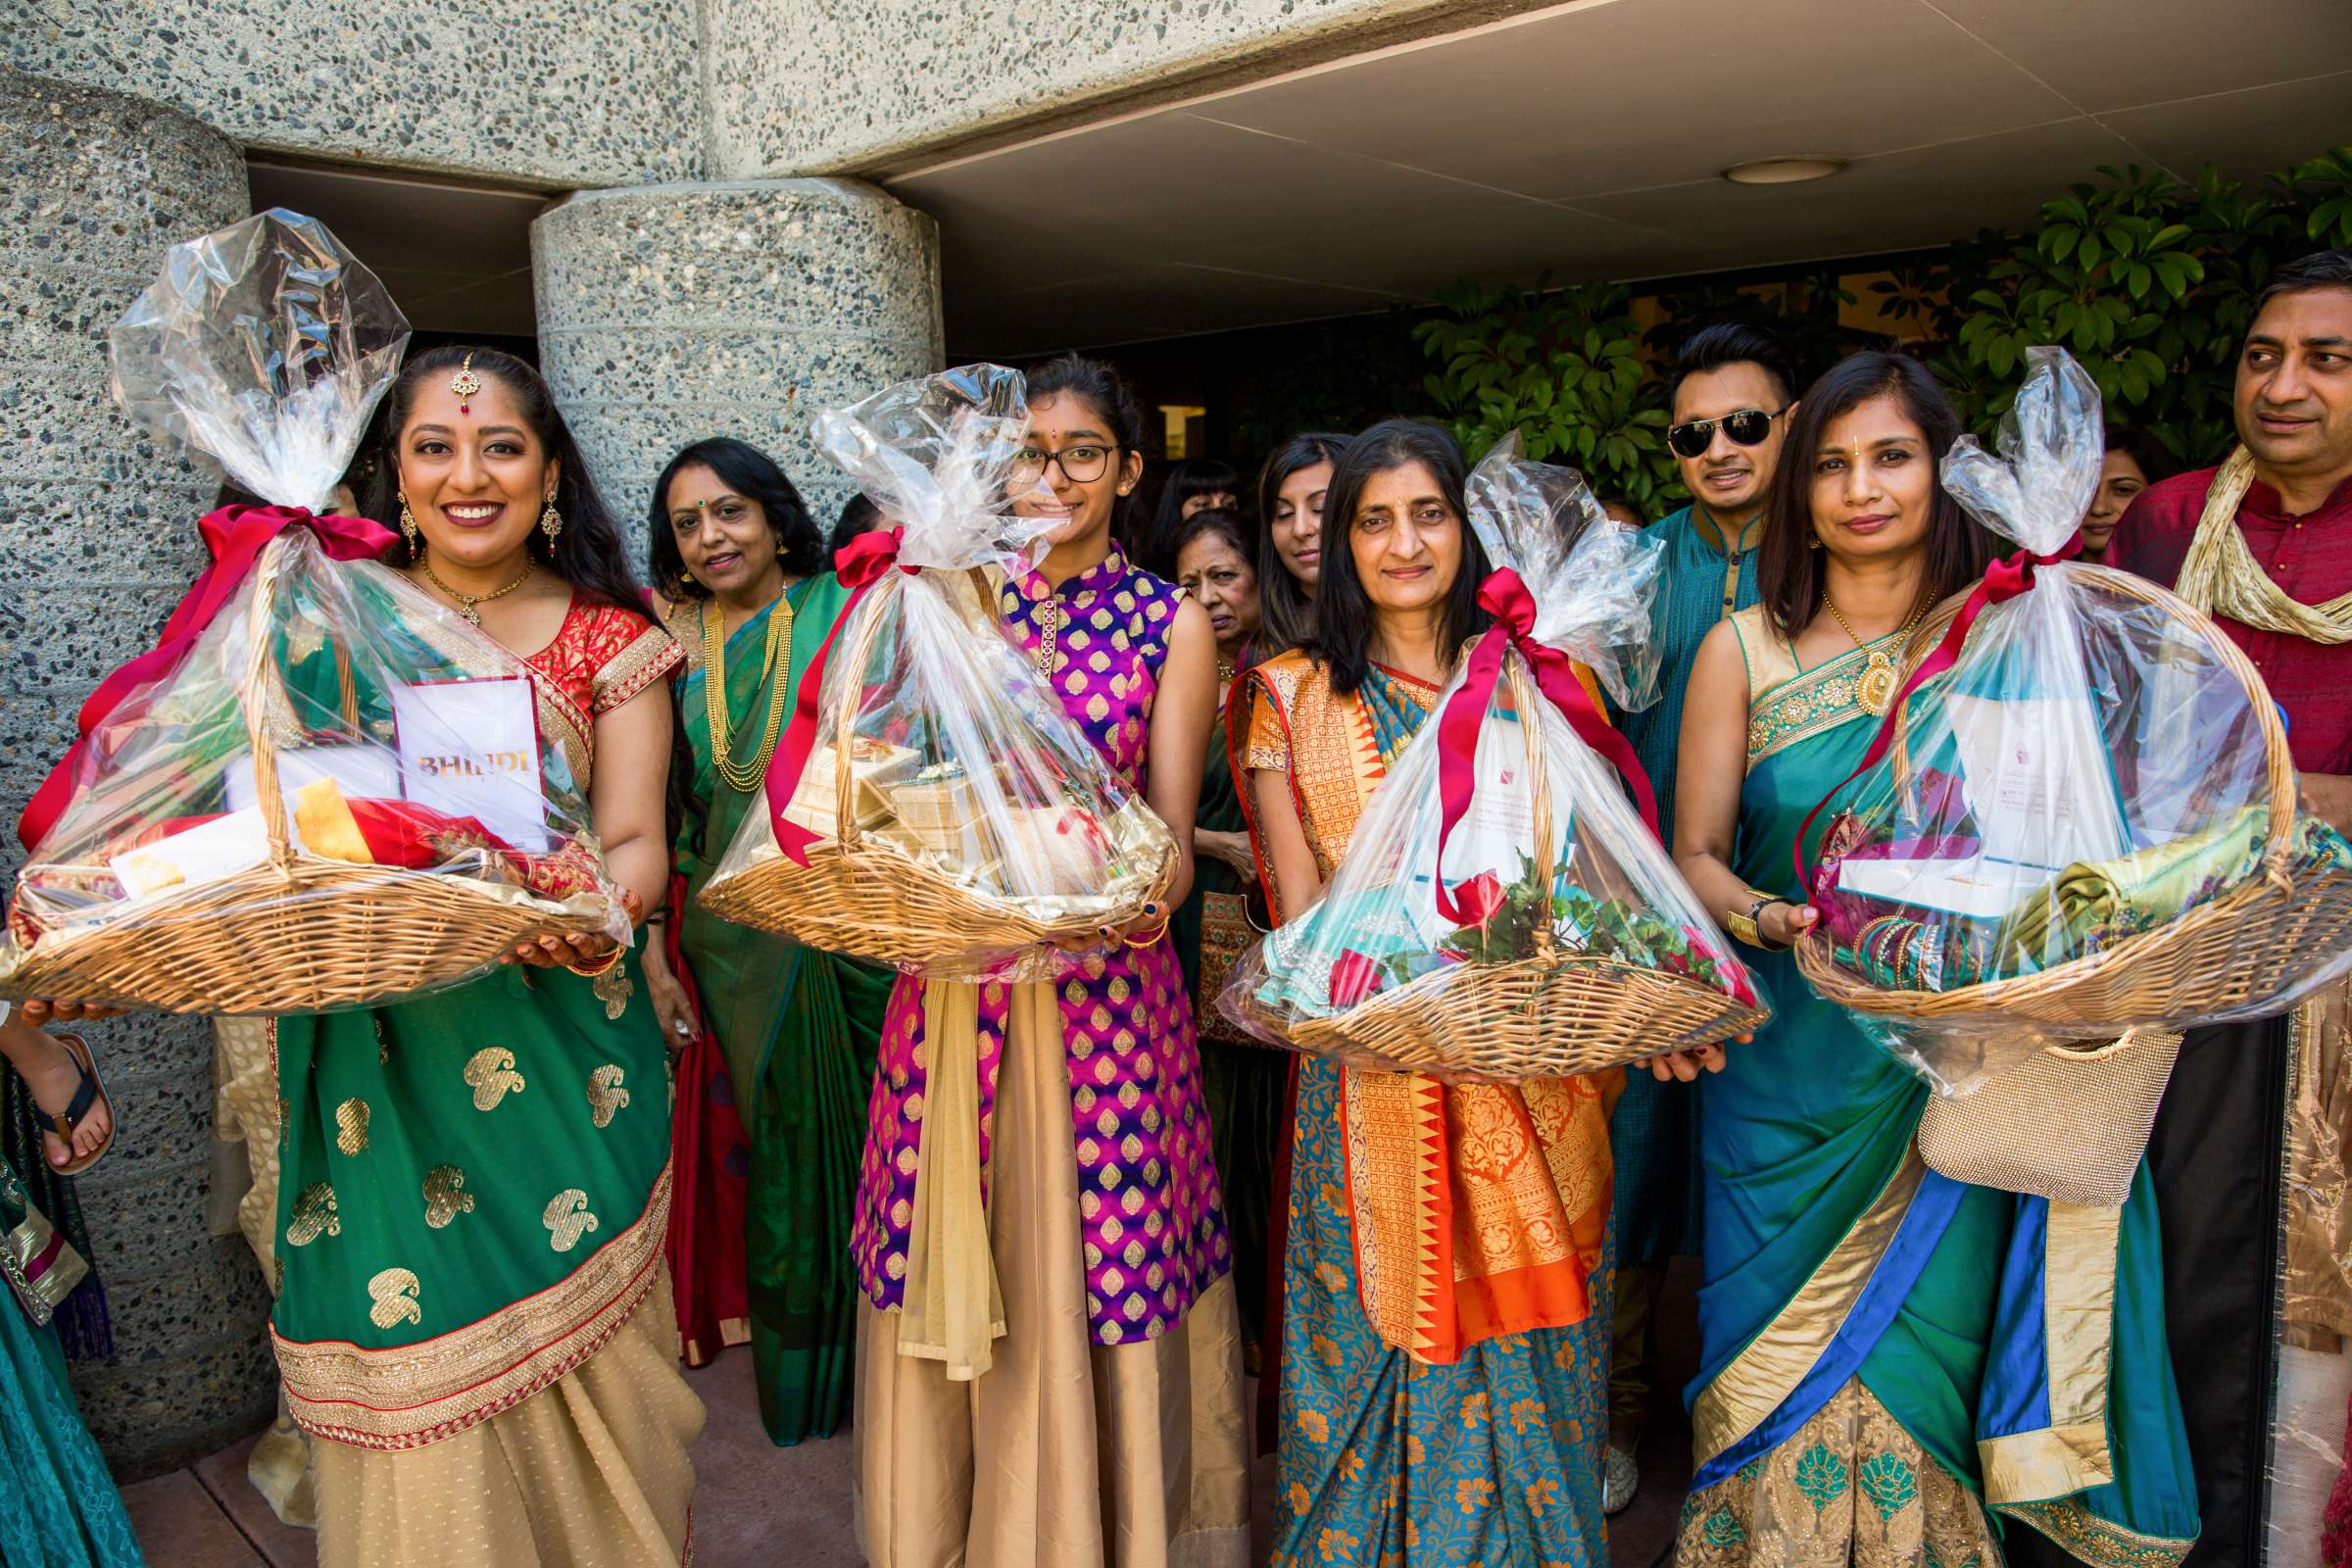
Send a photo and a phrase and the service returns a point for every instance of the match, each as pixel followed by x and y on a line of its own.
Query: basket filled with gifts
pixel 1504 910
pixel 322 788
pixel 2080 820
pixel 931 804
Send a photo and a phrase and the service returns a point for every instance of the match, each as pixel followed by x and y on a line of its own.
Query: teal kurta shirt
pixel 1655 1129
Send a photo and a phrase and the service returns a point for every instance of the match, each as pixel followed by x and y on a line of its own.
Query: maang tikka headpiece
pixel 465 384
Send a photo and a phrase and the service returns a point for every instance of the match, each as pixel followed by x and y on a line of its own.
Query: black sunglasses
pixel 1747 427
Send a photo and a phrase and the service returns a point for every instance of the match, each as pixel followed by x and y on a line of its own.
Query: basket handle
pixel 1539 783
pixel 844 719
pixel 253 698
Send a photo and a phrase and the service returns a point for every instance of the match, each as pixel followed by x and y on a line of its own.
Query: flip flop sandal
pixel 85 1094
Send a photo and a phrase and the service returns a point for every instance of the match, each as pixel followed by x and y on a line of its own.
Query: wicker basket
pixel 1552 1014
pixel 874 895
pixel 2070 1125
pixel 2219 957
pixel 297 933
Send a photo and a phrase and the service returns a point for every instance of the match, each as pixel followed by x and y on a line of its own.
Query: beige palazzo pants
pixel 1063 1453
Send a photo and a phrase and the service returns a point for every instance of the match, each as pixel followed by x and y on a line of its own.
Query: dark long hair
pixel 753 474
pixel 1096 382
pixel 588 554
pixel 1285 611
pixel 2157 461
pixel 1194 476
pixel 1791 574
pixel 1344 615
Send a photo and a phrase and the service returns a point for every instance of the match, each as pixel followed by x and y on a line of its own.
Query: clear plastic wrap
pixel 1503 911
pixel 2087 821
pixel 931 806
pixel 322 788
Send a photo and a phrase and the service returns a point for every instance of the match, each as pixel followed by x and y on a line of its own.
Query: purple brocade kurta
pixel 1151 1217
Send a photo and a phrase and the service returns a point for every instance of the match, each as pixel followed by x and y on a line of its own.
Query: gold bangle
pixel 603 967
pixel 1147 938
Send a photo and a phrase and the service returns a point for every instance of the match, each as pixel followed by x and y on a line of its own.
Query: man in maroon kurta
pixel 2217 1156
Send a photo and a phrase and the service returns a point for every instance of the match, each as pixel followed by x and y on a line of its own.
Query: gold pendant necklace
pixel 745 777
pixel 1874 687
pixel 467 602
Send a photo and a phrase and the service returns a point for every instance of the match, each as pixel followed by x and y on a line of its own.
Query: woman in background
pixel 2135 459
pixel 1192 485
pixel 1289 551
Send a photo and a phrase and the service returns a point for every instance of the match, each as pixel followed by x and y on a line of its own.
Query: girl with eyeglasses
pixel 1108 1426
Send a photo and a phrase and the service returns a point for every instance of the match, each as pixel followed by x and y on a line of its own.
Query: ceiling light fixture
pixel 1784 170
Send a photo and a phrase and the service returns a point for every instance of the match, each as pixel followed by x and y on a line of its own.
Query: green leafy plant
pixel 1564 367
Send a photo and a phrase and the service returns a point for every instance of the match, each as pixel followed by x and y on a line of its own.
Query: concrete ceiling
pixel 1588 140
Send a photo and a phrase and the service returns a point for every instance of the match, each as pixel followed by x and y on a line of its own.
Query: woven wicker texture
pixel 2070 1125
pixel 2233 952
pixel 299 932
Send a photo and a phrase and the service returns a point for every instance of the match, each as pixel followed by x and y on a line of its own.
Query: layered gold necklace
pixel 1875 689
pixel 745 777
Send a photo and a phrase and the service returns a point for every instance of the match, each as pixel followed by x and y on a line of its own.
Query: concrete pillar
pixel 672 313
pixel 97 541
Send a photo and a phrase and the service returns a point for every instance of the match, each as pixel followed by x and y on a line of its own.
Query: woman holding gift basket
pixel 742 568
pixel 1095 1413
pixel 475 1181
pixel 1483 1443
pixel 1860 1395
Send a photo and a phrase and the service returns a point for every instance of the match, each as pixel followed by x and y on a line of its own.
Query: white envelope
pixel 471 748
pixel 207 853
pixel 1985 889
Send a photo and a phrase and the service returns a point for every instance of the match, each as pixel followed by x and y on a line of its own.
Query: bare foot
pixel 55 1077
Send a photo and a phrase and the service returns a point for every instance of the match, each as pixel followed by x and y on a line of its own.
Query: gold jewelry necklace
pixel 1875 689
pixel 467 603
pixel 745 777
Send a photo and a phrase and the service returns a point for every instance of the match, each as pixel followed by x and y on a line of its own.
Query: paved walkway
pixel 758 1505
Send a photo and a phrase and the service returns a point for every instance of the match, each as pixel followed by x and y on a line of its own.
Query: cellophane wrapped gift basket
pixel 322 788
pixel 1503 910
pixel 2077 832
pixel 931 806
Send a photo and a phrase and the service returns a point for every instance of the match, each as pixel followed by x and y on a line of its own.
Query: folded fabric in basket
pixel 2091 903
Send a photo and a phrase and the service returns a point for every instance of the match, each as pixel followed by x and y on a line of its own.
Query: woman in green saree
pixel 1895 1367
pixel 741 565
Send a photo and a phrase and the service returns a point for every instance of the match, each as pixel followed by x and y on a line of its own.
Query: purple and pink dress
pixel 1111 1412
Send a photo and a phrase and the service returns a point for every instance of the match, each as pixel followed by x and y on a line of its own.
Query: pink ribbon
pixel 2003 580
pixel 862 563
pixel 1514 609
pixel 236 537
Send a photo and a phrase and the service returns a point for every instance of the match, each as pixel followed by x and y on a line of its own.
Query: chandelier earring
pixel 551 523
pixel 408 526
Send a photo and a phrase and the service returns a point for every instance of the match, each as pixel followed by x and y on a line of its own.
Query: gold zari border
pixel 419 1394
pixel 2094 1540
pixel 1762 1377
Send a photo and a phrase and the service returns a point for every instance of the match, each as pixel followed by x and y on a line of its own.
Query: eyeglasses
pixel 1747 427
pixel 1080 464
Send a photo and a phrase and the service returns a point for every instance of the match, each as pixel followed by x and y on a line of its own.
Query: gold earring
pixel 407 524
pixel 551 523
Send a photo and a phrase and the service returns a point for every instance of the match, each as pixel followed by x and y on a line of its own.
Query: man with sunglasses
pixel 1730 397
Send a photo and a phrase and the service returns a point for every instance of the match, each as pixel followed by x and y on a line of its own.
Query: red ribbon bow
pixel 2003 580
pixel 861 564
pixel 236 537
pixel 1514 609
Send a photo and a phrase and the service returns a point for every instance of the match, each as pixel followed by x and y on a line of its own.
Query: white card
pixel 471 748
pixel 205 852
pixel 1984 889
pixel 364 772
pixel 2038 779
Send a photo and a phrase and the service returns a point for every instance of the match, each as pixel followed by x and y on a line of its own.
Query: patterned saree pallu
pixel 1504 911
pixel 2079 814
pixel 931 804
pixel 320 788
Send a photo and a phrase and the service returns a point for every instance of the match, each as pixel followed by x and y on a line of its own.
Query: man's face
pixel 1729 478
pixel 2294 385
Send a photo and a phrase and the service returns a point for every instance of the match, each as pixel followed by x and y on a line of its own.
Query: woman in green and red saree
pixel 1895 1367
pixel 472 1319
pixel 58 1505
pixel 792 1031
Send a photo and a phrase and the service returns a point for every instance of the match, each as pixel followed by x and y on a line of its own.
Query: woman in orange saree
pixel 1446 1270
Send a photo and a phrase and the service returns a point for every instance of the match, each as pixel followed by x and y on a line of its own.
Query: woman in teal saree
pixel 1895 1367
pixel 798 1028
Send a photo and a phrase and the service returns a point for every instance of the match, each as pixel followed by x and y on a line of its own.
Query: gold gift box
pixel 873 765
pixel 939 805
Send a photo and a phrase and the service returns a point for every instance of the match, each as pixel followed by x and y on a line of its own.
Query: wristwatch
pixel 1744 927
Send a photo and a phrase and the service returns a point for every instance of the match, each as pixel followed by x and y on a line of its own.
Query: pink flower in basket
pixel 1354 977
